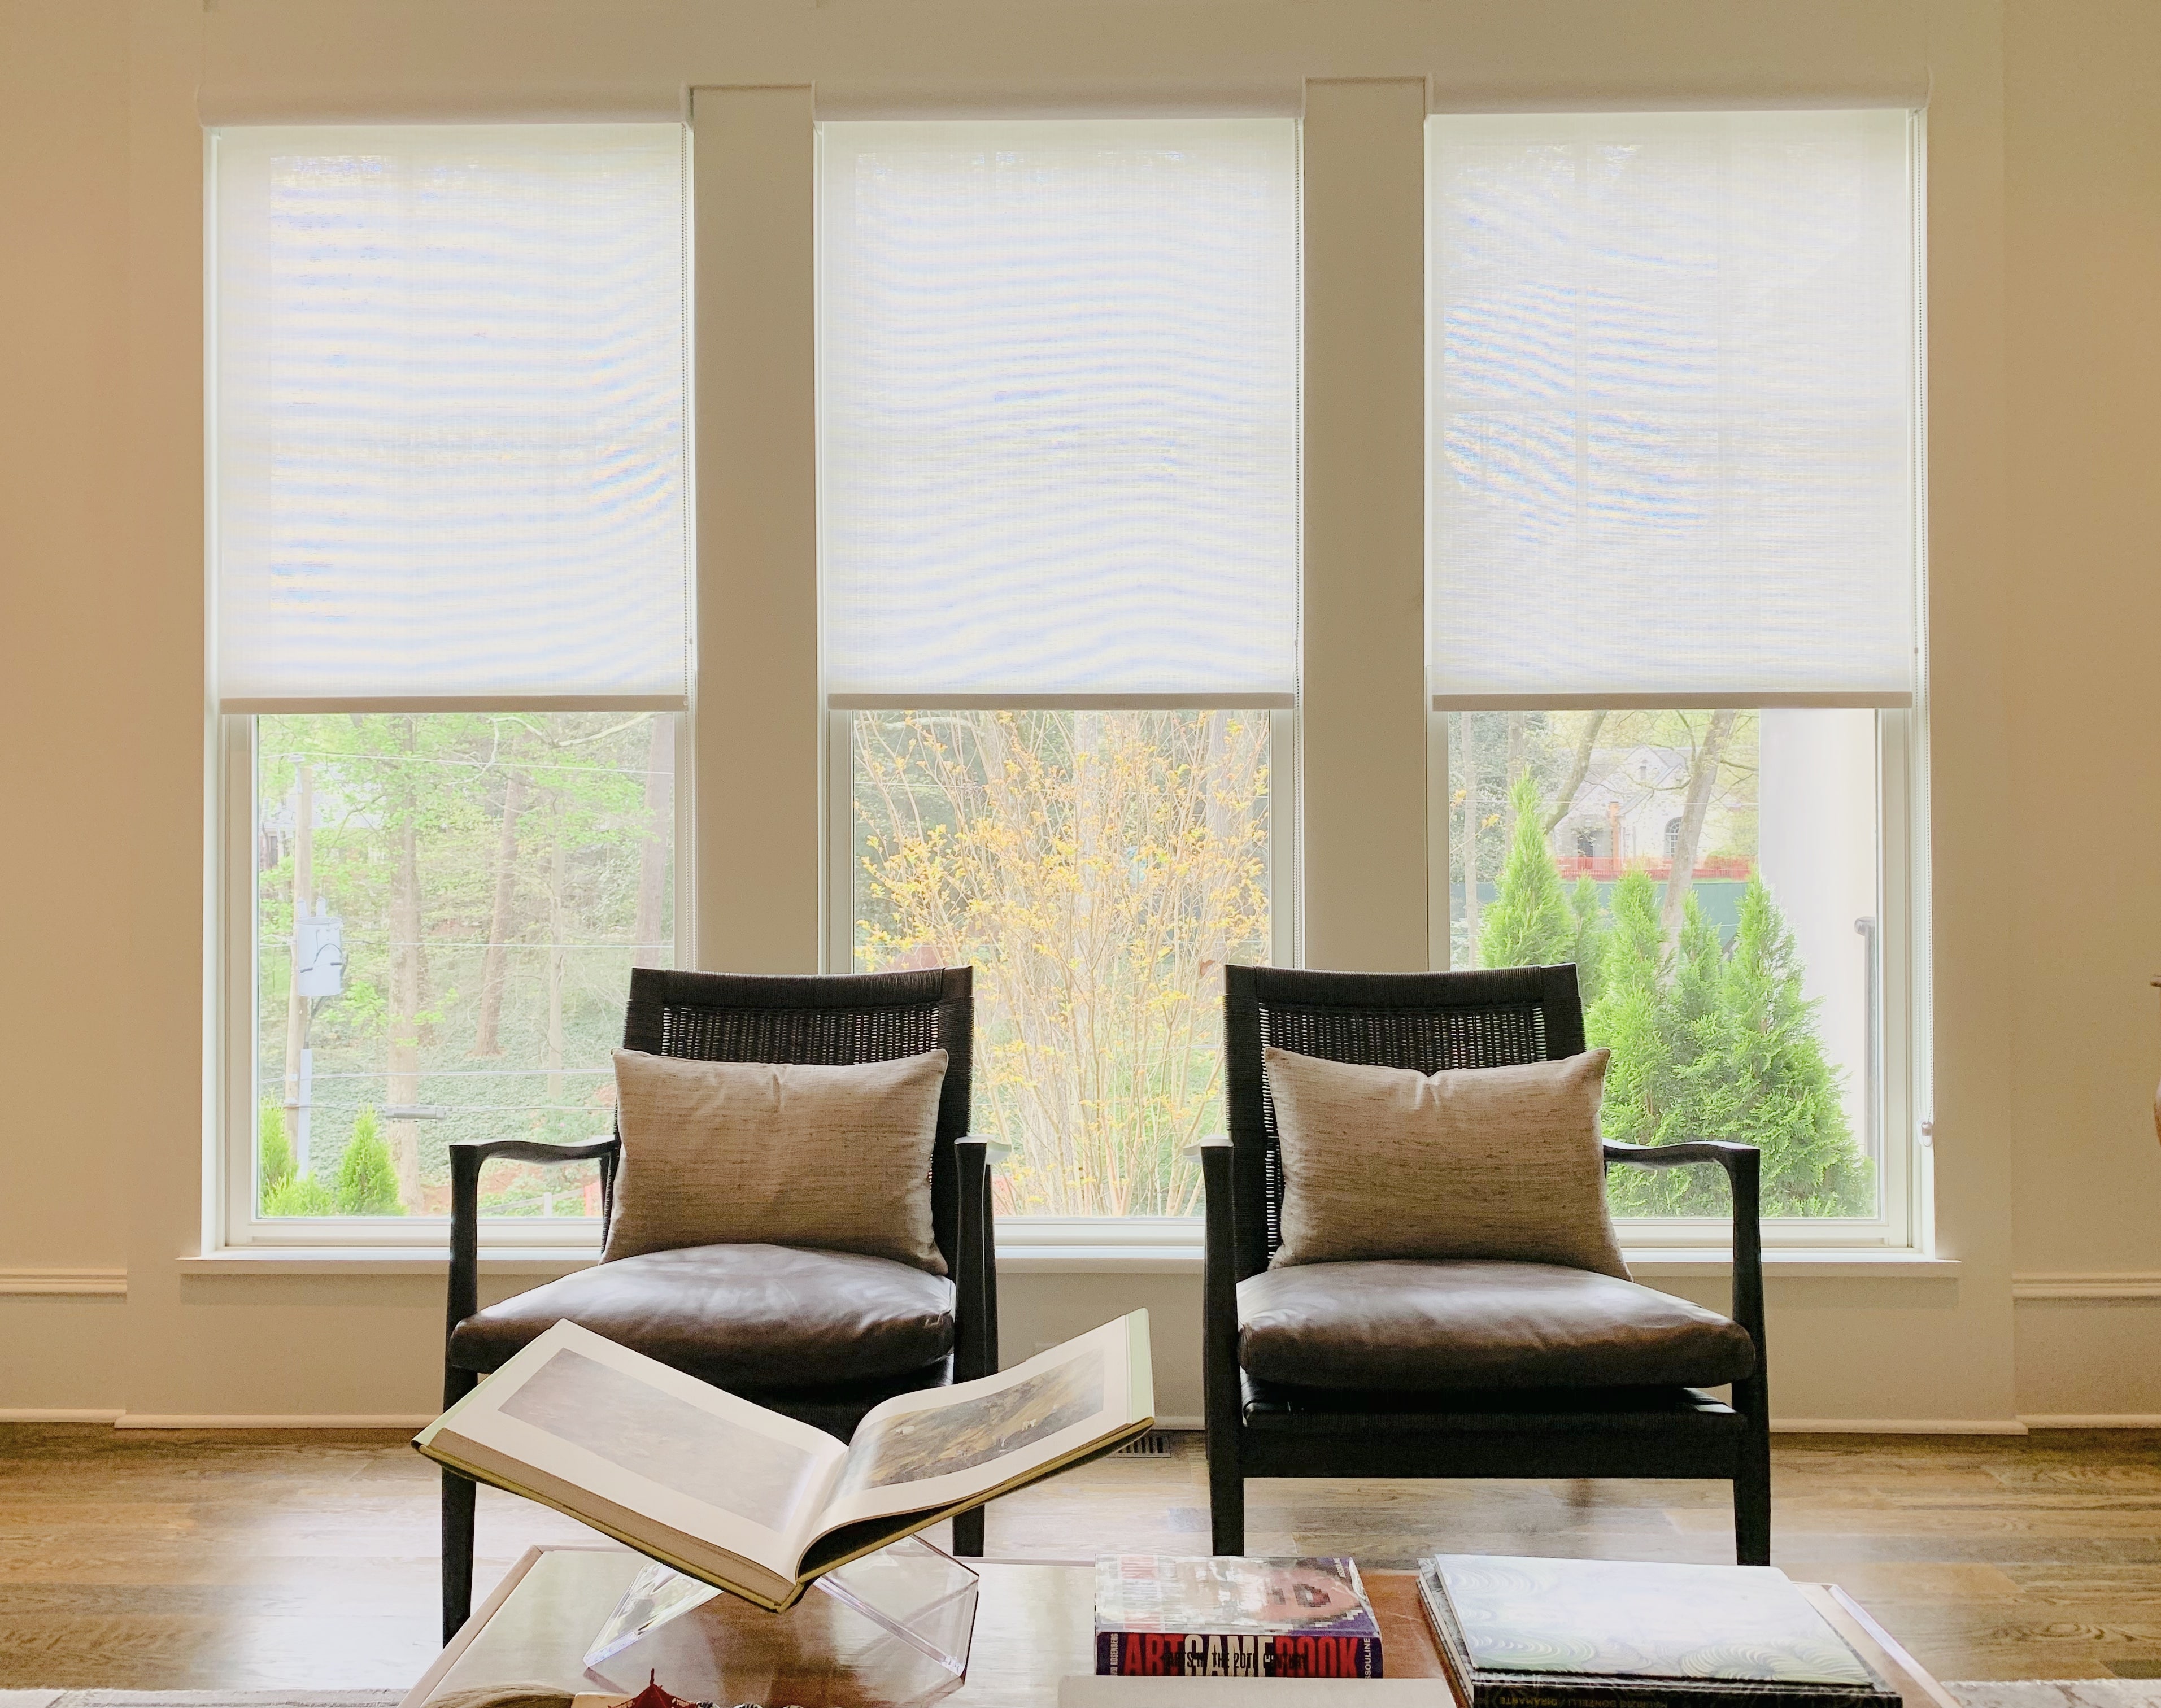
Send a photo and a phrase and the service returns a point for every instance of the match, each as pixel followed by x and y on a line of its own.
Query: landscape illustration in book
pixel 937 1443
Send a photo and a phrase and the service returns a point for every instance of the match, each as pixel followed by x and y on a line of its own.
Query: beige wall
pixel 64 198
pixel 66 1008
pixel 2044 158
pixel 2079 851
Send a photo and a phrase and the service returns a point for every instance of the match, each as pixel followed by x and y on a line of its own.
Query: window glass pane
pixel 1713 875
pixel 474 889
pixel 1098 869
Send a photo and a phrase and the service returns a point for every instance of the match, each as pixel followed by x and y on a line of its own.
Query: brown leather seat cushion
pixel 1465 1323
pixel 745 1318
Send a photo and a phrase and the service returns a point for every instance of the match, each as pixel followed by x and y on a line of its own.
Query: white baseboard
pixel 414 1420
pixel 63 1283
pixel 2091 1420
pixel 261 1420
pixel 2086 1283
pixel 63 1414
pixel 1899 1426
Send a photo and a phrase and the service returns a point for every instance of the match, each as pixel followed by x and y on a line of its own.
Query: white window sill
pixel 1653 1263
pixel 1795 1263
pixel 541 1262
pixel 1026 1256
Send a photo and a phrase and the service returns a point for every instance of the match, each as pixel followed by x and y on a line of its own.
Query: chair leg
pixel 1226 1493
pixel 459 1495
pixel 968 1534
pixel 1752 1502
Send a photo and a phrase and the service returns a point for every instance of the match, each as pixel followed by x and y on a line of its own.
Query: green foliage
pixel 1761 1077
pixel 298 1195
pixel 1667 1026
pixel 367 1181
pixel 1699 976
pixel 1590 934
pixel 1706 1044
pixel 275 1150
pixel 1532 923
pixel 1628 1017
pixel 1479 750
pixel 528 831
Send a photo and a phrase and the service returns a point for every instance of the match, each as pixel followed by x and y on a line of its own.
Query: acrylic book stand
pixel 910 1591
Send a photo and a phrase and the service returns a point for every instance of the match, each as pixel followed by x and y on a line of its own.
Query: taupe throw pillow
pixel 727 1153
pixel 1496 1162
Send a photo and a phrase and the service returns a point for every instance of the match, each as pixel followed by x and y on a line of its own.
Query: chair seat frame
pixel 1258 1428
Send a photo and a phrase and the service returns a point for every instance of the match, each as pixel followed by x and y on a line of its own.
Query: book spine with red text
pixel 1218 1654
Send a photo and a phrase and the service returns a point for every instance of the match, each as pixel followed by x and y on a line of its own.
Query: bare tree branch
pixel 1578 768
pixel 1702 777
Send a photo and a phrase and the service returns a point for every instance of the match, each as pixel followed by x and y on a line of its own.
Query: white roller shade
pixel 1059 411
pixel 450 384
pixel 1674 394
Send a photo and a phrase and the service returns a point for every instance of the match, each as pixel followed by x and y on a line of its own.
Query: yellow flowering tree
pixel 1097 868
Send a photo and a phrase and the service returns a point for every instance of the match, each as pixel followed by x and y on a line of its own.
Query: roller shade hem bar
pixel 277 705
pixel 929 700
pixel 1737 698
pixel 1894 94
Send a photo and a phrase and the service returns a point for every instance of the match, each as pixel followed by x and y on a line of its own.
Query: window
pixel 1059 412
pixel 452 651
pixel 1675 621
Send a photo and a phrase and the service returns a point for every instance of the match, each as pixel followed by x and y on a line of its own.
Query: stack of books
pixel 1585 1633
pixel 1157 1617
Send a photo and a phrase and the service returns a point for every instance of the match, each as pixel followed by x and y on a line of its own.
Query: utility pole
pixel 1470 770
pixel 297 1005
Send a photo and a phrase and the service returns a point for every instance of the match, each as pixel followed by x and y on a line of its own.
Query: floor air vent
pixel 1157 1443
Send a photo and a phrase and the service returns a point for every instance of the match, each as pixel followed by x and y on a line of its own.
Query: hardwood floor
pixel 152 1560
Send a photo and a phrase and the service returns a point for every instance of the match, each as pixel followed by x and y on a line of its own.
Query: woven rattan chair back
pixel 1424 1022
pixel 832 1022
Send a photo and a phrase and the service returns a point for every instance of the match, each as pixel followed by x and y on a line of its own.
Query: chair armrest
pixel 976 1286
pixel 1218 1287
pixel 1744 1171
pixel 466 1157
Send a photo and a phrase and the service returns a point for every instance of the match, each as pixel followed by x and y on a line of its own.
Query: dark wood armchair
pixel 1455 1369
pixel 820 1336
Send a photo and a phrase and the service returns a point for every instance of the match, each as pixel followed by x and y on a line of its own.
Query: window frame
pixel 1903 938
pixel 1902 1113
pixel 231 1220
pixel 1144 1241
pixel 236 1222
pixel 1903 1043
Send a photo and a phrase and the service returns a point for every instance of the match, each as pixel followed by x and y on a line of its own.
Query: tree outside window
pixel 1097 868
pixel 496 876
pixel 1682 832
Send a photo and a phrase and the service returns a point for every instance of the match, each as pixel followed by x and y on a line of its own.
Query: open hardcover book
pixel 735 1495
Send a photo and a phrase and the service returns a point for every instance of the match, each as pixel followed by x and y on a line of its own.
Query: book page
pixel 922 1450
pixel 663 1445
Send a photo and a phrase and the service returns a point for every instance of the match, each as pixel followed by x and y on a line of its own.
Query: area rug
pixel 2058 1692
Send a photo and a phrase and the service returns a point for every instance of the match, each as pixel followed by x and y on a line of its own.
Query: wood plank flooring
pixel 249 1560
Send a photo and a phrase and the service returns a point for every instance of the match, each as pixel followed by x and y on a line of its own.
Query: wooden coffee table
pixel 1033 1626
